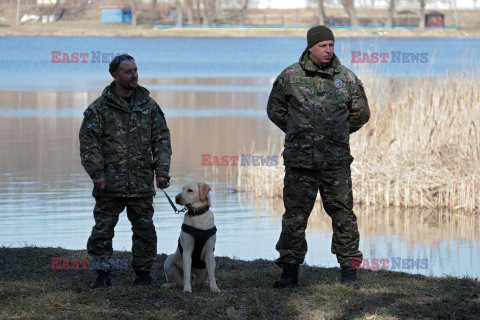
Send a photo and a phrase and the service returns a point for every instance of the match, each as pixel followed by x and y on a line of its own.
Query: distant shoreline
pixel 89 29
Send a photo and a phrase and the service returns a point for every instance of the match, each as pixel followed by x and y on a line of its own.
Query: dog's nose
pixel 177 199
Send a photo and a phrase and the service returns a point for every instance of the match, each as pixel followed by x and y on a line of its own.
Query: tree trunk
pixel 206 20
pixel 209 11
pixel 421 24
pixel 391 12
pixel 133 3
pixel 244 12
pixel 349 7
pixel 198 13
pixel 321 12
pixel 189 11
pixel 179 11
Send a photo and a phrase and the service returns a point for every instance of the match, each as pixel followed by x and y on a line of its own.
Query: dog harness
pixel 201 237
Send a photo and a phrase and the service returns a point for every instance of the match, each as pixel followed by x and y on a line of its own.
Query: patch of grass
pixel 31 289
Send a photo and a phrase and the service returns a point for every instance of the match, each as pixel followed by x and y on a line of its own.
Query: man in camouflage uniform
pixel 318 103
pixel 124 143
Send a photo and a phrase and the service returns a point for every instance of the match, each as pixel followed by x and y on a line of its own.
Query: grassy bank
pixel 30 289
pixel 419 149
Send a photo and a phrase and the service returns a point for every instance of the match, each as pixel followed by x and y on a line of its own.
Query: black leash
pixel 172 204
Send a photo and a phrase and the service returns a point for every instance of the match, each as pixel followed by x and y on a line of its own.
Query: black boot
pixel 144 278
pixel 289 277
pixel 102 280
pixel 349 276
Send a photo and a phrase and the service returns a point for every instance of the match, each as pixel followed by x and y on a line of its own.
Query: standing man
pixel 318 103
pixel 124 143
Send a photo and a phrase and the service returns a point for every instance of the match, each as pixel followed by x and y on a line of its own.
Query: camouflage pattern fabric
pixel 299 193
pixel 125 143
pixel 140 214
pixel 317 108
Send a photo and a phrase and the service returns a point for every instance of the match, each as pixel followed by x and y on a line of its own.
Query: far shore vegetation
pixel 31 289
pixel 83 18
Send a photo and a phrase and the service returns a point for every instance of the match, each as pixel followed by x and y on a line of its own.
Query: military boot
pixel 349 277
pixel 289 277
pixel 102 280
pixel 144 278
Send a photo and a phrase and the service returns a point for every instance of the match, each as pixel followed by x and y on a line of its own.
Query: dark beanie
pixel 318 34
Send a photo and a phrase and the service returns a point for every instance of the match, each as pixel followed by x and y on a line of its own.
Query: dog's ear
pixel 203 190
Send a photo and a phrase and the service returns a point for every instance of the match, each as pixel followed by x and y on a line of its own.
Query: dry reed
pixel 421 147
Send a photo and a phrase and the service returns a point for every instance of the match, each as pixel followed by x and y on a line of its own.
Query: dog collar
pixel 197 212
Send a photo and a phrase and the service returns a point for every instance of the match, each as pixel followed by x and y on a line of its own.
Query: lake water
pixel 213 92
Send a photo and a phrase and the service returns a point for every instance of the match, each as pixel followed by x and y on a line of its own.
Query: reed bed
pixel 421 147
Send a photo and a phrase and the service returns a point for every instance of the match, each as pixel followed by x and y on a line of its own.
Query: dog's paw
pixel 187 289
pixel 214 289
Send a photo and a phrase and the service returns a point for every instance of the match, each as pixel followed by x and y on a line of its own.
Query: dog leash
pixel 172 204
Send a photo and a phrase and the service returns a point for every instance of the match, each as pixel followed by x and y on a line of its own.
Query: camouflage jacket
pixel 126 143
pixel 317 108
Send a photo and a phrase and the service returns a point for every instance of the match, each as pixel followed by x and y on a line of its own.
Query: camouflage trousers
pixel 140 214
pixel 299 193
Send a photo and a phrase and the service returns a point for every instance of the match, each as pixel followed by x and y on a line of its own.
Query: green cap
pixel 318 34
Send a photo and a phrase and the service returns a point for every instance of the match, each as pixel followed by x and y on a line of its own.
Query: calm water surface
pixel 213 92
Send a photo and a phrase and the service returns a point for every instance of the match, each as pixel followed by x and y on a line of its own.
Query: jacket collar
pixel 139 99
pixel 308 65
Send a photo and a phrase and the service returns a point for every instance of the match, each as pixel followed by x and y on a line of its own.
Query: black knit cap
pixel 318 34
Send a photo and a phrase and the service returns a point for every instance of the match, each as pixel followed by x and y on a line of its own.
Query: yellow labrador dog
pixel 194 263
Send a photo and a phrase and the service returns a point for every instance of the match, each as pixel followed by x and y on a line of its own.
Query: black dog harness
pixel 200 237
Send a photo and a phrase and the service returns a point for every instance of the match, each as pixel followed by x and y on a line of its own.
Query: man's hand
pixel 162 183
pixel 100 183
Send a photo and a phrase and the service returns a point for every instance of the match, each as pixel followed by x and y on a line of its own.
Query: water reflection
pixel 45 193
pixel 448 239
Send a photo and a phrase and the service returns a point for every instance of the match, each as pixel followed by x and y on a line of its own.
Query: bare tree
pixel 179 11
pixel 391 12
pixel 320 4
pixel 421 24
pixel 244 10
pixel 188 9
pixel 133 3
pixel 321 12
pixel 209 11
pixel 349 7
